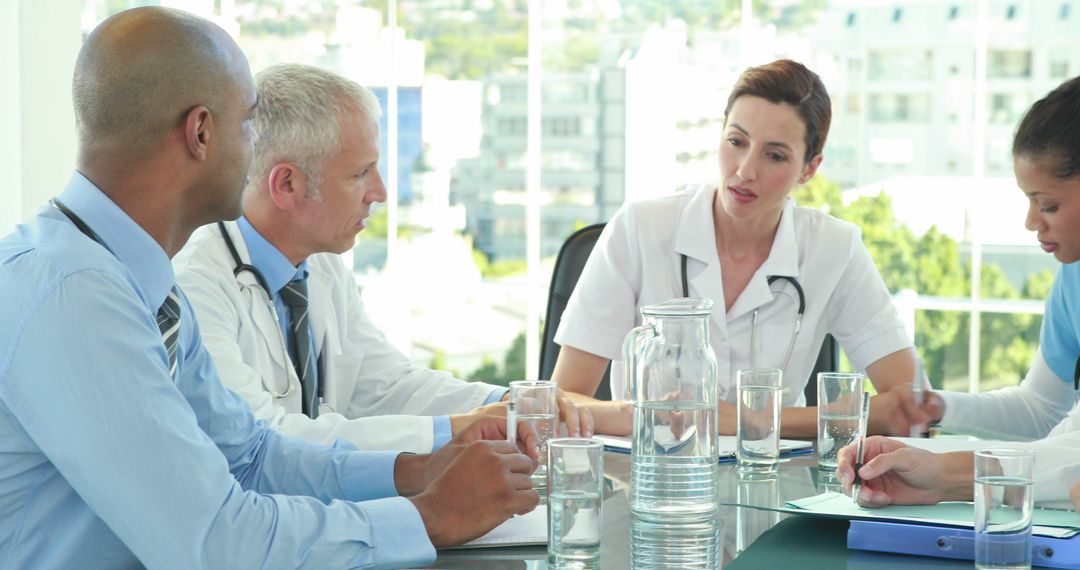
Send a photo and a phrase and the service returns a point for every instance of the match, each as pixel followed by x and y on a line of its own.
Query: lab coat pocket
pixel 340 372
pixel 773 341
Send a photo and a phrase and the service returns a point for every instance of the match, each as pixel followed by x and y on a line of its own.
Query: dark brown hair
pixel 1050 130
pixel 787 81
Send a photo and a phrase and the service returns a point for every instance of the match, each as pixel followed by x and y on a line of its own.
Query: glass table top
pixel 741 519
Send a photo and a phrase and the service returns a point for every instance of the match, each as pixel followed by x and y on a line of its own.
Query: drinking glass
pixel 1003 508
pixel 535 404
pixel 575 499
pixel 839 405
pixel 757 436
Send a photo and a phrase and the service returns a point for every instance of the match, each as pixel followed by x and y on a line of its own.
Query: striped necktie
pixel 168 320
pixel 295 295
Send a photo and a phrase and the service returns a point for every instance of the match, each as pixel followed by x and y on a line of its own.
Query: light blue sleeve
pixel 89 386
pixel 264 460
pixel 1058 338
pixel 442 432
pixel 496 396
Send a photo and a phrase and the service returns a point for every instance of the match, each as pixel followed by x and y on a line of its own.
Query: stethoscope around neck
pixel 240 267
pixel 753 323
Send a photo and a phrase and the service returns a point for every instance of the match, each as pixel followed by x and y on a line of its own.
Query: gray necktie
pixel 168 320
pixel 295 295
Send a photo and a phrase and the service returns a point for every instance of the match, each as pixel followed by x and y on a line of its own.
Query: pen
pixel 919 394
pixel 511 423
pixel 1076 379
pixel 863 418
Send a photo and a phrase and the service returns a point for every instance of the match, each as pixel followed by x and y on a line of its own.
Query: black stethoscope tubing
pixel 240 267
pixel 771 279
pixel 753 329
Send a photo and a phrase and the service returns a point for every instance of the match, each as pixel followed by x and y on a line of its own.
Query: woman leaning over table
pixel 1046 161
pixel 734 236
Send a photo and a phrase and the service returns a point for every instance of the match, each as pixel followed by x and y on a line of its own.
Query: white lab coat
pixel 365 378
pixel 636 262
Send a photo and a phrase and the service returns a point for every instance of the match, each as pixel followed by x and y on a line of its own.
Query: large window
pixel 497 109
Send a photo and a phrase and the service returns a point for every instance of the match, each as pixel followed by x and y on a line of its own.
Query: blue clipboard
pixel 952 542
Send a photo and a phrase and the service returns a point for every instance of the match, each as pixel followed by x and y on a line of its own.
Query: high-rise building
pixel 902 75
pixel 637 124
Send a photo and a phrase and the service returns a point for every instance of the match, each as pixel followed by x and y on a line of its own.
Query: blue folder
pixel 952 542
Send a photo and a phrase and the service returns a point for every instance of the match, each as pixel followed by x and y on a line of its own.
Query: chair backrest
pixel 564 277
pixel 828 360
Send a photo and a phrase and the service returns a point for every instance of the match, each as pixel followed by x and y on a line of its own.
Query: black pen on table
pixel 864 417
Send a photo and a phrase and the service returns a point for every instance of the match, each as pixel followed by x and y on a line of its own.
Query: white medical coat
pixel 365 378
pixel 636 262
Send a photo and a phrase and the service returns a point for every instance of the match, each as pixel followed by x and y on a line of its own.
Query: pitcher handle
pixel 633 341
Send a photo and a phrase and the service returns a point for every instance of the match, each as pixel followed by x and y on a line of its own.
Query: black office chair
pixel 828 360
pixel 568 265
pixel 564 277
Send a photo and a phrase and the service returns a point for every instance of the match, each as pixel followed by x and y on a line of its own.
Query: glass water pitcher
pixel 671 379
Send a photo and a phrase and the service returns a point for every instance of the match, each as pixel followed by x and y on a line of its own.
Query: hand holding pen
pixel 894 473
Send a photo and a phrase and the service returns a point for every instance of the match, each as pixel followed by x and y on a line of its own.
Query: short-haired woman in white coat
pixel 734 236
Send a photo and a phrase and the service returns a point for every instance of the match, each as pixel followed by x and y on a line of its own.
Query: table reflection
pixel 750 522
pixel 677 545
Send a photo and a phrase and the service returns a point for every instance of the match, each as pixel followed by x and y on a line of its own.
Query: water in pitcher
pixel 674 469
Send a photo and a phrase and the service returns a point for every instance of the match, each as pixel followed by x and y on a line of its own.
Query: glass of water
pixel 839 405
pixel 757 435
pixel 1003 507
pixel 575 497
pixel 535 404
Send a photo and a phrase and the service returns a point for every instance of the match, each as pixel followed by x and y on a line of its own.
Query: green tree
pixel 931 264
pixel 514 361
pixel 1037 285
pixel 1004 348
pixel 488 372
pixel 513 366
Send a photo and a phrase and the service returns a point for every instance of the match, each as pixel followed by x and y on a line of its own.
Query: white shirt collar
pixel 695 235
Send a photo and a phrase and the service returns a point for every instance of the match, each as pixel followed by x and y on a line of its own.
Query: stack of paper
pixel 527 529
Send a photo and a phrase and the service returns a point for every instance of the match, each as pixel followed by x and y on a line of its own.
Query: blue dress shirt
pixel 278 271
pixel 106 462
